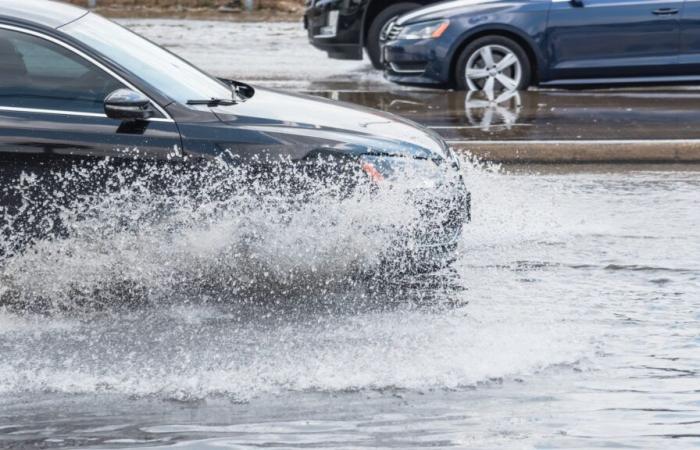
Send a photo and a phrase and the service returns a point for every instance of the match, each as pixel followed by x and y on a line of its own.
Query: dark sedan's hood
pixel 440 10
pixel 303 118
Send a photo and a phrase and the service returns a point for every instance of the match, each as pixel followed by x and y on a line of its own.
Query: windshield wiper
pixel 212 102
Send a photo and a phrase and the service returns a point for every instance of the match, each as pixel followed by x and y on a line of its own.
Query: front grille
pixel 391 32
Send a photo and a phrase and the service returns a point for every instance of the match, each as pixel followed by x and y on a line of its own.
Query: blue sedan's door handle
pixel 665 11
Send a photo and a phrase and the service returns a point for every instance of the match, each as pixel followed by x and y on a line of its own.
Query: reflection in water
pixel 543 115
pixel 484 112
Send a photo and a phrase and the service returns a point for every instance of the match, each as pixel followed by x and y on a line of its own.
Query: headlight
pixel 416 172
pixel 424 30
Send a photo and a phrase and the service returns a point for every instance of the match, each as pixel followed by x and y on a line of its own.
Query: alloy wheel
pixel 493 68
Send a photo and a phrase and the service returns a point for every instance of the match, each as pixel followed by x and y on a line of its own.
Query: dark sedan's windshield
pixel 171 75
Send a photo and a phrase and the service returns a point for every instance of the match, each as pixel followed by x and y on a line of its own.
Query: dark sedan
pixel 343 28
pixel 512 44
pixel 77 87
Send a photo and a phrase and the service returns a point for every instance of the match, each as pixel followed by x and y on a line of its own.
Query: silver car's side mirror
pixel 125 104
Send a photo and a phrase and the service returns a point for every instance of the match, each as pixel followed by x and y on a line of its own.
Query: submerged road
pixel 570 320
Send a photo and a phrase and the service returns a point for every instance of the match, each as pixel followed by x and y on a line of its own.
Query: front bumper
pixel 454 213
pixel 444 210
pixel 335 27
pixel 416 62
pixel 438 249
pixel 455 208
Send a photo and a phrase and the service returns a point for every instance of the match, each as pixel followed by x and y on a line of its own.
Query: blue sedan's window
pixel 162 70
pixel 39 74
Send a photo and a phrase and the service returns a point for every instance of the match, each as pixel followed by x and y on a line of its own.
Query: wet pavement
pixel 570 320
pixel 554 126
pixel 264 54
pixel 542 115
pixel 616 125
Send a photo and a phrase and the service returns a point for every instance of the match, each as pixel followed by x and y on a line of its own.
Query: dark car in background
pixel 343 28
pixel 76 88
pixel 512 44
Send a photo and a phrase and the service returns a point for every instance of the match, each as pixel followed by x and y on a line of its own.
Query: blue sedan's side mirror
pixel 125 104
pixel 576 3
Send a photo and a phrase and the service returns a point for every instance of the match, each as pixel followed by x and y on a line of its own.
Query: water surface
pixel 570 320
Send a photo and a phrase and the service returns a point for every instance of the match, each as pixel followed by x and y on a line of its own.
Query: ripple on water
pixel 567 321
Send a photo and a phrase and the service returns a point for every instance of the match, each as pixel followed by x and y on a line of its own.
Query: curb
pixel 667 151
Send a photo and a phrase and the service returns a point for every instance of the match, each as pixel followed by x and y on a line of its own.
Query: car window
pixel 163 71
pixel 40 74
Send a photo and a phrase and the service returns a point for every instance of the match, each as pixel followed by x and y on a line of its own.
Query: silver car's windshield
pixel 172 76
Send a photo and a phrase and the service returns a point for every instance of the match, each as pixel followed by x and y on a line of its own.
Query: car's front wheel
pixel 493 64
pixel 374 33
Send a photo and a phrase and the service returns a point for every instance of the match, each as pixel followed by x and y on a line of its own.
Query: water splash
pixel 259 292
pixel 100 234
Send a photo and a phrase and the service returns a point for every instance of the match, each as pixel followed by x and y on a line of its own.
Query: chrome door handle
pixel 665 11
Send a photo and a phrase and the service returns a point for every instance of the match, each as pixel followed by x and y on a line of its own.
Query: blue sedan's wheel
pixel 493 64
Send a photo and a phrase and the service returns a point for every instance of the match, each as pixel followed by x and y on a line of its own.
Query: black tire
pixel 472 47
pixel 372 43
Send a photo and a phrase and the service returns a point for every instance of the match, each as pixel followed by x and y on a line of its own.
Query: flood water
pixel 570 320
pixel 621 114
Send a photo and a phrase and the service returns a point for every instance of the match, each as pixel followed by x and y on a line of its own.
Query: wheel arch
pixel 503 31
pixel 374 7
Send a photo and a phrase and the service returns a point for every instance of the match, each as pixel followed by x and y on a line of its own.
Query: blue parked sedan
pixel 512 44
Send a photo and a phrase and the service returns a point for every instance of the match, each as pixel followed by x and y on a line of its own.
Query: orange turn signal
pixel 441 29
pixel 372 171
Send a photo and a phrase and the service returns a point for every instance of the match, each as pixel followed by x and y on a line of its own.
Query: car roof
pixel 40 12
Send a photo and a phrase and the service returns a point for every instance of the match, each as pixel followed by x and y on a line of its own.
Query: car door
pixel 689 58
pixel 52 109
pixel 613 38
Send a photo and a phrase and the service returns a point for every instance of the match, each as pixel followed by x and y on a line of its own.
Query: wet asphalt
pixel 542 115
pixel 571 321
pixel 656 124
pixel 642 125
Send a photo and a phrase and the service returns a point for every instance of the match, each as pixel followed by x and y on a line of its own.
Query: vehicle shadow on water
pixel 362 294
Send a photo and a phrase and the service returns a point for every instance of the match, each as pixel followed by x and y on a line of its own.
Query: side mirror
pixel 125 104
pixel 576 3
